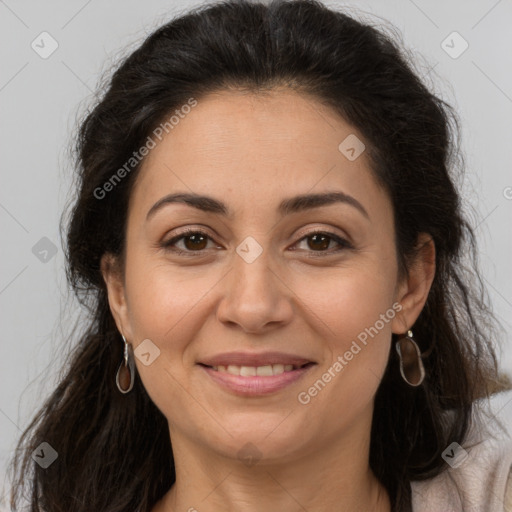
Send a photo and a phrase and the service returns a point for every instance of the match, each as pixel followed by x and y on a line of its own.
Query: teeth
pixel 263 371
pixel 250 371
pixel 247 371
pixel 234 370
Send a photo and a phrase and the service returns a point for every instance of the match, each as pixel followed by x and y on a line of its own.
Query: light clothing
pixel 480 482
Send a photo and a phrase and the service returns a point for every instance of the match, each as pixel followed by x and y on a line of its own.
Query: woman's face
pixel 267 284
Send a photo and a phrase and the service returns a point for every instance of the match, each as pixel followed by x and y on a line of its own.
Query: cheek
pixel 172 307
pixel 346 301
pixel 164 309
pixel 353 311
pixel 161 296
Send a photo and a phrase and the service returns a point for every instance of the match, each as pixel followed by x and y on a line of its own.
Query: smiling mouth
pixel 267 370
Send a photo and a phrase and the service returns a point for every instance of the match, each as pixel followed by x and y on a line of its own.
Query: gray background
pixel 40 100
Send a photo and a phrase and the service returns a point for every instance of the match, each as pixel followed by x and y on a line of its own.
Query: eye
pixel 320 240
pixel 196 240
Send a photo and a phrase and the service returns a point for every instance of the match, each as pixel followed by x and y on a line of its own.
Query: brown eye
pixel 196 241
pixel 319 241
pixel 193 241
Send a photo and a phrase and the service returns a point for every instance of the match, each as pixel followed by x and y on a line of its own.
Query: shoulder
pixel 508 493
pixel 478 475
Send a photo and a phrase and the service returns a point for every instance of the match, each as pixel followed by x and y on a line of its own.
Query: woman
pixel 271 244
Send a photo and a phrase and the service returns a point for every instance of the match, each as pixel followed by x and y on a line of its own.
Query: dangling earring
pixel 125 376
pixel 411 365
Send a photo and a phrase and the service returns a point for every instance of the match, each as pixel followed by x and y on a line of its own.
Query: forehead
pixel 255 148
pixel 268 125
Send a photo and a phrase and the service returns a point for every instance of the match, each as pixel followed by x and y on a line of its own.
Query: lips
pixel 255 374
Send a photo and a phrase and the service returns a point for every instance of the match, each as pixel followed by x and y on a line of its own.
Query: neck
pixel 337 477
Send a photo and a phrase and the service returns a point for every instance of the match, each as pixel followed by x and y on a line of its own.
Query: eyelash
pixel 345 244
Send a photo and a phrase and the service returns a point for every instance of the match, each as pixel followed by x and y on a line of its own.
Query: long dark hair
pixel 114 451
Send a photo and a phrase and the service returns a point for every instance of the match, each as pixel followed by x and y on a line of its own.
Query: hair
pixel 114 450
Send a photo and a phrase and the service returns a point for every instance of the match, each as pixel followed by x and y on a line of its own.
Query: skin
pixel 252 151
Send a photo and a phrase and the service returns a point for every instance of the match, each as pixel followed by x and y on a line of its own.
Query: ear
pixel 113 277
pixel 413 291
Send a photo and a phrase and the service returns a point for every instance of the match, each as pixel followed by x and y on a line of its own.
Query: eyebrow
pixel 287 206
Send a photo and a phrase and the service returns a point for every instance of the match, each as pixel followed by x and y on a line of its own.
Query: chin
pixel 269 441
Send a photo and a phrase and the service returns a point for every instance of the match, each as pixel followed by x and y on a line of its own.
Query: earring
pixel 411 365
pixel 125 376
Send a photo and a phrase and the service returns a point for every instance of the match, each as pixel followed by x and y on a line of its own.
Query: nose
pixel 255 296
